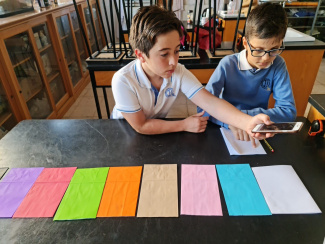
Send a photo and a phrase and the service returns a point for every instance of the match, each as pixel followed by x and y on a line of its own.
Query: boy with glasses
pixel 145 89
pixel 247 79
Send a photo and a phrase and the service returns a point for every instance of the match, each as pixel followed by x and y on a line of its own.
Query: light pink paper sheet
pixel 200 191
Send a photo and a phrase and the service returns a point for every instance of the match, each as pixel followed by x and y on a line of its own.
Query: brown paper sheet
pixel 158 195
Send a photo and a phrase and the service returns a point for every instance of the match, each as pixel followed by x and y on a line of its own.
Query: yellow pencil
pixel 269 146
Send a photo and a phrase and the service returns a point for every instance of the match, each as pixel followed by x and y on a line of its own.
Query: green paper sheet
pixel 81 201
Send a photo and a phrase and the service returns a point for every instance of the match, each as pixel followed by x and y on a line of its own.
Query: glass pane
pixel 39 107
pixel 57 89
pixel 97 26
pixel 26 69
pixel 7 119
pixel 90 31
pixel 48 57
pixel 68 48
pixel 80 41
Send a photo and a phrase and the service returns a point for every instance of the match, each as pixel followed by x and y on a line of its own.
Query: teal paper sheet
pixel 82 199
pixel 242 193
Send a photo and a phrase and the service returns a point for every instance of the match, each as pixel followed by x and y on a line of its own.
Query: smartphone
pixel 290 127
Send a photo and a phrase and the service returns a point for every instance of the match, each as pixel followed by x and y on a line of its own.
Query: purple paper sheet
pixel 22 175
pixel 14 187
pixel 200 191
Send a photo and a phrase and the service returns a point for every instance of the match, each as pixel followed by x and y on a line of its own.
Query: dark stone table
pixel 98 143
pixel 318 102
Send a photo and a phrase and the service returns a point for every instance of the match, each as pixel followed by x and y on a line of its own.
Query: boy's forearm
pixel 158 126
pixel 221 109
pixel 277 114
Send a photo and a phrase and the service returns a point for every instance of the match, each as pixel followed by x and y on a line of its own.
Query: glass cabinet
pixel 69 49
pixel 27 72
pixel 97 25
pixel 7 118
pixel 89 28
pixel 301 15
pixel 42 64
pixel 50 64
pixel 319 28
pixel 80 41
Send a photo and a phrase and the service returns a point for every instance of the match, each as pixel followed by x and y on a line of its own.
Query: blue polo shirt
pixel 249 89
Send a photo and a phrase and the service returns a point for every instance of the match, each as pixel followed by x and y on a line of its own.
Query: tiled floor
pixel 85 108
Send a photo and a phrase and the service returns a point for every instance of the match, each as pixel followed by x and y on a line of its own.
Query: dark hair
pixel 267 21
pixel 148 23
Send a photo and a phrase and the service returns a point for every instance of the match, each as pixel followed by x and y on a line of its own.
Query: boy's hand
pixel 242 135
pixel 196 123
pixel 259 119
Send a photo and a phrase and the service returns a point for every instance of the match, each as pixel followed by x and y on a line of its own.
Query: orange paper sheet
pixel 121 191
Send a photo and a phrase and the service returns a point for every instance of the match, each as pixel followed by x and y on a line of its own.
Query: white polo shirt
pixel 133 91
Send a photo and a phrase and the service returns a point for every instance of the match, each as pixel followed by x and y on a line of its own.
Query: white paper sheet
pixel 236 147
pixel 283 190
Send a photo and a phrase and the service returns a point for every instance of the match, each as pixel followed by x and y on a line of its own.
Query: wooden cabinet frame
pixel 17 101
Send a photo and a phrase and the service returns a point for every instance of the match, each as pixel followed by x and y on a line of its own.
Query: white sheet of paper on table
pixel 283 190
pixel 236 147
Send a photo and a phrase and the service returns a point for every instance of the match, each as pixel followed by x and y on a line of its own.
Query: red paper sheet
pixel 45 196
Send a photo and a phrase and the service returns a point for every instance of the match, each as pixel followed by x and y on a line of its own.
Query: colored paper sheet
pixel 22 175
pixel 3 171
pixel 242 193
pixel 82 198
pixel 45 195
pixel 121 192
pixel 200 191
pixel 236 147
pixel 158 195
pixel 283 190
pixel 14 187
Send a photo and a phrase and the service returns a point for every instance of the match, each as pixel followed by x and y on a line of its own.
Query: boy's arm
pixel 128 104
pixel 284 108
pixel 138 121
pixel 224 111
pixel 215 86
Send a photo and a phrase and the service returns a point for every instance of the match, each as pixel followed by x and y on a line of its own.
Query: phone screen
pixel 278 126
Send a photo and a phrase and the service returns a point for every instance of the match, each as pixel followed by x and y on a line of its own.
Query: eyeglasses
pixel 261 53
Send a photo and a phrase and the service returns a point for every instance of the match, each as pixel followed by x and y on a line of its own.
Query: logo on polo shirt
pixel 266 84
pixel 169 92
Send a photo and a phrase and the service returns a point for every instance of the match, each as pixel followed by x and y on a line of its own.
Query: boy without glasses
pixel 145 89
pixel 248 78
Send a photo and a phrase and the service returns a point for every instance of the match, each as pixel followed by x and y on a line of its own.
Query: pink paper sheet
pixel 200 191
pixel 45 196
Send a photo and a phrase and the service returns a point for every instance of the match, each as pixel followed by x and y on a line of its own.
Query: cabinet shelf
pixel 4 117
pixel 34 94
pixel 300 27
pixel 302 4
pixel 52 76
pixel 21 62
pixel 44 48
pixel 64 37
pixel 304 17
pixel 70 62
pixel 299 7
